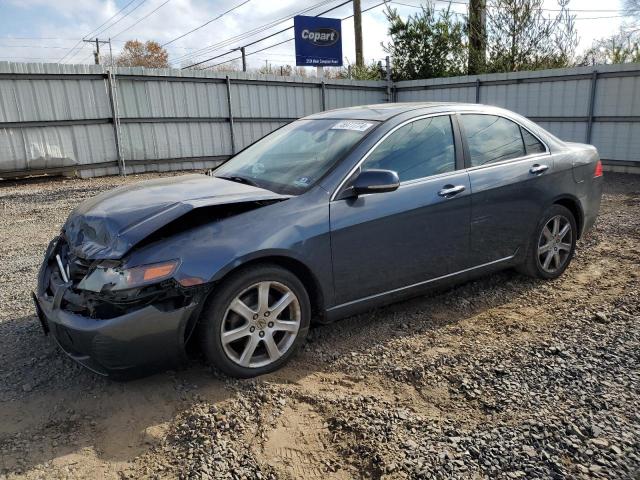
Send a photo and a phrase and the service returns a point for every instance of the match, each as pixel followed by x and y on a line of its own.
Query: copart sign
pixel 318 41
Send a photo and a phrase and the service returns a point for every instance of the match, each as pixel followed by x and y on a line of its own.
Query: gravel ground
pixel 503 377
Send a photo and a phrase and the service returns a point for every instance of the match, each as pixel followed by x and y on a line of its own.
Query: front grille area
pixel 78 268
pixel 75 267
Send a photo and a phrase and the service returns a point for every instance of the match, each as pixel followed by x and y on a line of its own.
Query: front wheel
pixel 553 244
pixel 255 322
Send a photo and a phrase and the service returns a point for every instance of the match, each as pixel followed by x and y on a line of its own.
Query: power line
pixel 33 46
pixel 136 23
pixel 120 19
pixel 291 39
pixel 37 38
pixel 418 6
pixel 108 20
pixel 114 23
pixel 543 9
pixel 206 23
pixel 28 58
pixel 268 36
pixel 259 29
pixel 256 30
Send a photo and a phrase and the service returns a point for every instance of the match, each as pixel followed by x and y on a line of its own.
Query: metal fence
pixel 598 105
pixel 84 120
pixel 89 121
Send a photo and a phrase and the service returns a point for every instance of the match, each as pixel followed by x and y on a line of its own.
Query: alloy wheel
pixel 555 244
pixel 260 324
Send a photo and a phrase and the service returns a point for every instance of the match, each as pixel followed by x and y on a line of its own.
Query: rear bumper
pixel 591 205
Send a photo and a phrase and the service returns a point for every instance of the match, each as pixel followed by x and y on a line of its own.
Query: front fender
pixel 297 229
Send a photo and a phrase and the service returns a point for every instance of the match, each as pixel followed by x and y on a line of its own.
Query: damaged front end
pixel 127 324
pixel 102 291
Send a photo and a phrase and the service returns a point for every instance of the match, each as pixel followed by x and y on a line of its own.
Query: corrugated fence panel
pixel 46 100
pixel 344 97
pixel 277 101
pixel 620 140
pixel 55 147
pixel 558 99
pixel 154 141
pixel 458 94
pixel 568 131
pixel 143 99
pixel 59 117
pixel 249 132
pixel 618 96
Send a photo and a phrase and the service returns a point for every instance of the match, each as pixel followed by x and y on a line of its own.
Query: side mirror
pixel 372 181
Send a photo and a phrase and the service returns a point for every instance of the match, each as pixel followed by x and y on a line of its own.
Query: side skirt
pixel 384 298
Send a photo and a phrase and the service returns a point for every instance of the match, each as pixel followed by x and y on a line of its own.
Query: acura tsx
pixel 330 215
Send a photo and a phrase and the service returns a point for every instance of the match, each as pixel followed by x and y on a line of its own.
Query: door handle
pixel 450 190
pixel 538 169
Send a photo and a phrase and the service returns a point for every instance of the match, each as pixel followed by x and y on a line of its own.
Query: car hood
pixel 109 225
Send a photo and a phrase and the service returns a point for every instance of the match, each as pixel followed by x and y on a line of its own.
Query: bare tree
pixel 632 8
pixel 623 47
pixel 137 54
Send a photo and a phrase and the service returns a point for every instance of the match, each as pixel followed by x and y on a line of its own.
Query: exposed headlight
pixel 114 279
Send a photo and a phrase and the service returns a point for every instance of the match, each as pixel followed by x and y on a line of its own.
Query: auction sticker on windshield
pixel 351 125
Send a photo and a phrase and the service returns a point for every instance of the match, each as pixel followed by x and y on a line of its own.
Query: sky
pixel 52 30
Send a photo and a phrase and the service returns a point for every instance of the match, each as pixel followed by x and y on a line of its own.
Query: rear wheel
pixel 553 244
pixel 255 322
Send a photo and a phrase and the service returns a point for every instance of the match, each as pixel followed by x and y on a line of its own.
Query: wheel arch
pixel 573 205
pixel 295 266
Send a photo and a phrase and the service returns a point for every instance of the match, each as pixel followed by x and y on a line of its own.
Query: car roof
pixel 384 111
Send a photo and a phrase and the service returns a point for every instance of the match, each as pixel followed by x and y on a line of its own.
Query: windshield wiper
pixel 238 179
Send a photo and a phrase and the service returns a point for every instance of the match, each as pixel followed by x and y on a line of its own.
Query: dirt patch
pixel 300 446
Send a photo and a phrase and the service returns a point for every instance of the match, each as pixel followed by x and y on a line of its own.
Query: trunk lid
pixel 585 155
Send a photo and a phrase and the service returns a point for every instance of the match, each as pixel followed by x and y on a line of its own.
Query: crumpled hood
pixel 109 225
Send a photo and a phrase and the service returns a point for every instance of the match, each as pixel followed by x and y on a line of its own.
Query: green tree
pixel 371 71
pixel 521 37
pixel 427 44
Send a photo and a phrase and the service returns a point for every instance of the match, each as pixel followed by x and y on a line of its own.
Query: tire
pixel 240 341
pixel 548 254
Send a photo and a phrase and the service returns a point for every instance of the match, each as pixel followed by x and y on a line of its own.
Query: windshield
pixel 293 158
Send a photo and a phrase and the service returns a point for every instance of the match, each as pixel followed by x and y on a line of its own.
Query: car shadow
pixel 53 409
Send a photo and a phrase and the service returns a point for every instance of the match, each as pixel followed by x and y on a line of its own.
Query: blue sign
pixel 318 41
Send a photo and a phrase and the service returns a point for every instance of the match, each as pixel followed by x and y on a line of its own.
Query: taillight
pixel 598 172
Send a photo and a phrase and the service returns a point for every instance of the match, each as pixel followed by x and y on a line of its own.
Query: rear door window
pixel 492 139
pixel 531 143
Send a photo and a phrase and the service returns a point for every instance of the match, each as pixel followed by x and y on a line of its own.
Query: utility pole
pixel 388 78
pixel 477 36
pixel 244 58
pixel 96 54
pixel 357 27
